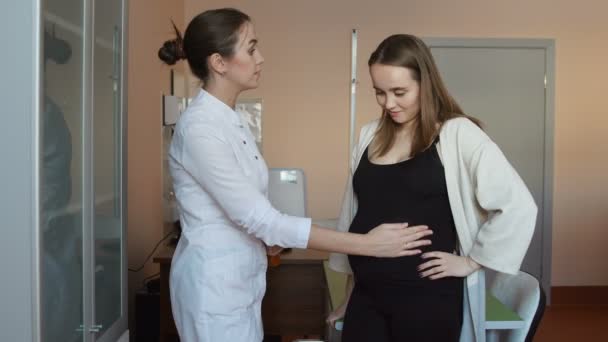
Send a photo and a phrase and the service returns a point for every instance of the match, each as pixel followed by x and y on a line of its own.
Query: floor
pixel 574 324
pixel 580 324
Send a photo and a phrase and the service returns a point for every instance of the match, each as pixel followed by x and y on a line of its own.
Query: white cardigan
pixel 493 210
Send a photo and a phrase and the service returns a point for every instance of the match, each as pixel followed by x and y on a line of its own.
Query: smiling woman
pixel 407 83
pixel 426 162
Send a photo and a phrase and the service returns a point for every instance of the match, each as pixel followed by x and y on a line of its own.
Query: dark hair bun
pixel 171 51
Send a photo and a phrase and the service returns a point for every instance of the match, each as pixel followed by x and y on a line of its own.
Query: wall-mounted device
pixel 173 106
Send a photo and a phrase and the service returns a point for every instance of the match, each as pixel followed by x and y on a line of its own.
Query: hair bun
pixel 171 51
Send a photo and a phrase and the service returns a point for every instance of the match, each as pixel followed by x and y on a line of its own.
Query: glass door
pixel 109 303
pixel 62 172
pixel 82 190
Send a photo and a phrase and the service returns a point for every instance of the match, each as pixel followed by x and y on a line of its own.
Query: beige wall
pixel 305 92
pixel 149 27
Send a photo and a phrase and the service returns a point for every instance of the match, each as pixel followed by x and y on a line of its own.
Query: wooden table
pixel 296 301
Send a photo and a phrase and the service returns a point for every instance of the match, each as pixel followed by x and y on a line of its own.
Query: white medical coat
pixel 218 273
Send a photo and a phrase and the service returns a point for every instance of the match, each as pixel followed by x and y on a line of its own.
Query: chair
pixel 287 190
pixel 523 294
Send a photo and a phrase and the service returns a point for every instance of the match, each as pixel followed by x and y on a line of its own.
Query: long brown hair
pixel 436 104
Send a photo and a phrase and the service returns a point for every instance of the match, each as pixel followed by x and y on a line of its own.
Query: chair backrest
pixel 523 294
pixel 287 190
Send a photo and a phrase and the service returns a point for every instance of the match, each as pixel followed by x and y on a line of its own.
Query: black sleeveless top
pixel 412 191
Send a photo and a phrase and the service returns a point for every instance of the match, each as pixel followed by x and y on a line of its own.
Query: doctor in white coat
pixel 220 179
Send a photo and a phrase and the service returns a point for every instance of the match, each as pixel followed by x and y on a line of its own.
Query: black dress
pixel 390 302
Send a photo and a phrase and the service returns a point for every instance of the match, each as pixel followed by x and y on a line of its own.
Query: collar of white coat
pixel 223 109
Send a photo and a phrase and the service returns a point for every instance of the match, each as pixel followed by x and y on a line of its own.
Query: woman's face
pixel 245 66
pixel 396 92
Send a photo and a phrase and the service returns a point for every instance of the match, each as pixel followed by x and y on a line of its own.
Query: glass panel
pixel 107 162
pixel 61 188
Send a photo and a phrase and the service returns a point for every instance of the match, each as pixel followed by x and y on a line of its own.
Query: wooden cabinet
pixel 168 331
pixel 296 298
pixel 296 301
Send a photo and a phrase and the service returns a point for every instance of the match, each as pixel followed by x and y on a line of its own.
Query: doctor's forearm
pixel 332 241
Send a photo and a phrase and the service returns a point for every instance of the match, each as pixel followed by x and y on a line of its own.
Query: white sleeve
pixel 211 161
pixel 503 239
pixel 339 261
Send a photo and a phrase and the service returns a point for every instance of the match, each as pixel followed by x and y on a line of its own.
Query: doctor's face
pixel 245 65
pixel 397 92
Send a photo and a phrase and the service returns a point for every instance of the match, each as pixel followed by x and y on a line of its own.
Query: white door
pixel 502 83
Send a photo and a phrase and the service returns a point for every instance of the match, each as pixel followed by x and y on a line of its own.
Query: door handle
pixel 95 328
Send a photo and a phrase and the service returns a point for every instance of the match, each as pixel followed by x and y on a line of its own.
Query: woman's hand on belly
pixel 442 264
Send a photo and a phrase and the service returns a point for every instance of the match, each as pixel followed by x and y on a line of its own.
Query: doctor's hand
pixel 397 239
pixel 441 265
